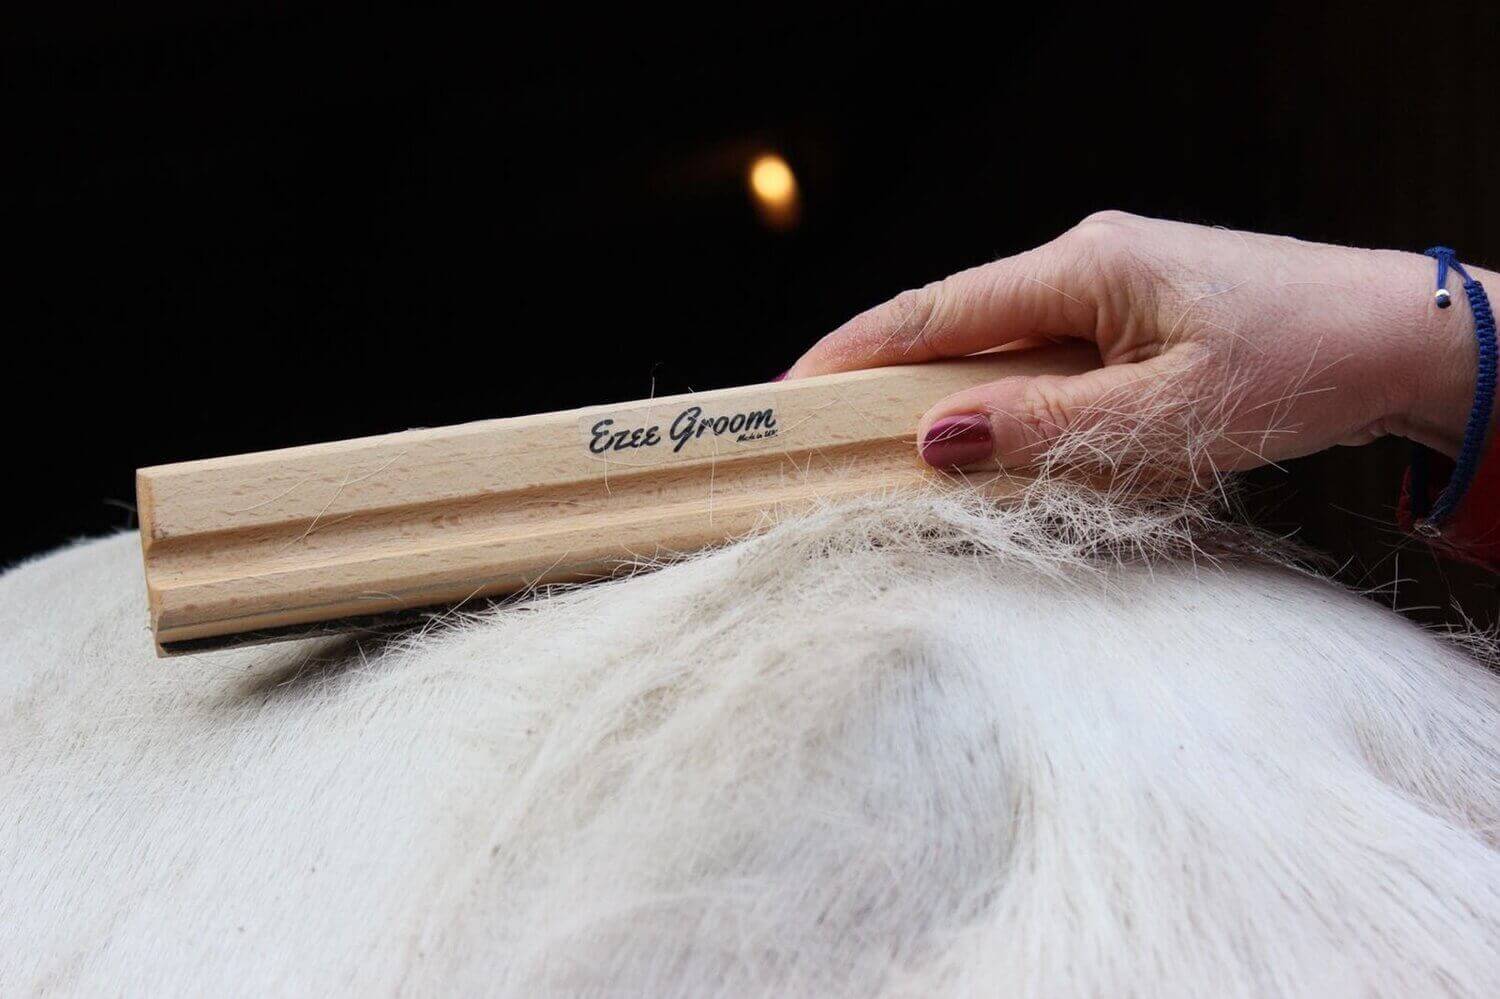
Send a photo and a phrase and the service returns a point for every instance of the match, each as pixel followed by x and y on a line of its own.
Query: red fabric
pixel 1473 532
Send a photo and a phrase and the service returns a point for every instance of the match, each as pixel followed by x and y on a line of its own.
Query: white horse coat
pixel 914 747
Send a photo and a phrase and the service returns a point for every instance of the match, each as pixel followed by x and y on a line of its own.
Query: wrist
pixel 1436 374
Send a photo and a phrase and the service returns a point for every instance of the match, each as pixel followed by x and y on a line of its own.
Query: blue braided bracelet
pixel 1431 520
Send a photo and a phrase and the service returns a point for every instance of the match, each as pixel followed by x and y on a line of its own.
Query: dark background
pixel 239 226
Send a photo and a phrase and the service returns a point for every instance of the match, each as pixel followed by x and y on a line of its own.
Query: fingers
pixel 1109 418
pixel 1049 291
pixel 1094 282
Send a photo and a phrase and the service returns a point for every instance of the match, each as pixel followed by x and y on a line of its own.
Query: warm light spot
pixel 775 189
pixel 772 181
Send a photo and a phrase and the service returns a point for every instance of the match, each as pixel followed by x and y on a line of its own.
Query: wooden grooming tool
pixel 324 538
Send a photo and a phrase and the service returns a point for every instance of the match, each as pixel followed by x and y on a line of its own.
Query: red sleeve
pixel 1473 532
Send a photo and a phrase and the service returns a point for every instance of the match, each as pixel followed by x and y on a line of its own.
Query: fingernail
pixel 955 441
pixel 782 375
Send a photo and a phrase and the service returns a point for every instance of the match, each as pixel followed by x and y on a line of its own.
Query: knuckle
pixel 913 305
pixel 1110 217
pixel 914 313
pixel 1105 237
pixel 1116 248
pixel 1043 413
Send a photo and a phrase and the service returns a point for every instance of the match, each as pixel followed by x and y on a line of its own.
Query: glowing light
pixel 772 180
pixel 774 188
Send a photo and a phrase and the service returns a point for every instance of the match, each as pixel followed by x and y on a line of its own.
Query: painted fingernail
pixel 955 441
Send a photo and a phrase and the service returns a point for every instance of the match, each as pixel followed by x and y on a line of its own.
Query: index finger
pixel 1042 292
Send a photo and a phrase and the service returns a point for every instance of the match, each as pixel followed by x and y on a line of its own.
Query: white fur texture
pixel 915 747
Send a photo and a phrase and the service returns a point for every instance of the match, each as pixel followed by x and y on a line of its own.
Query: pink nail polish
pixel 955 441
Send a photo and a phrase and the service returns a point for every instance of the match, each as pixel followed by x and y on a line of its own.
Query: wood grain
pixel 255 546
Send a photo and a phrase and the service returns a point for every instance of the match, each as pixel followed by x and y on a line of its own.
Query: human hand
pixel 1222 350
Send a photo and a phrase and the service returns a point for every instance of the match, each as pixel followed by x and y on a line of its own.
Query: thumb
pixel 1111 414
